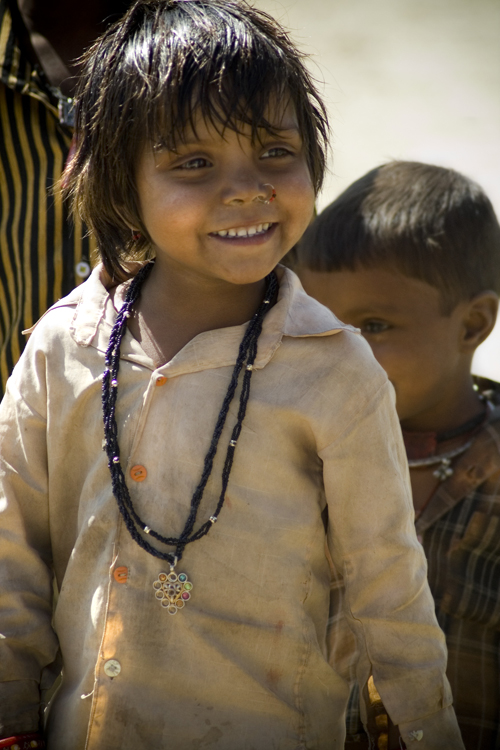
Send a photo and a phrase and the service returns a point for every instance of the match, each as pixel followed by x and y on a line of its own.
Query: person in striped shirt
pixel 42 254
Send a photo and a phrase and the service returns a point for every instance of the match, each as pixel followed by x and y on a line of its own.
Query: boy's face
pixel 201 205
pixel 401 319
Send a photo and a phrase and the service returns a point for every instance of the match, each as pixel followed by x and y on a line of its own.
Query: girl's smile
pixel 254 234
pixel 203 205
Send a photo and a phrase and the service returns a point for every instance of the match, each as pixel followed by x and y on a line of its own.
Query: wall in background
pixel 406 80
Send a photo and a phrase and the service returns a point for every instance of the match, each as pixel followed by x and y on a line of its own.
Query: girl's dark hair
pixel 428 222
pixel 148 78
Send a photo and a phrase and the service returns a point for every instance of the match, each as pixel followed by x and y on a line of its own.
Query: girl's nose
pixel 264 193
pixel 243 184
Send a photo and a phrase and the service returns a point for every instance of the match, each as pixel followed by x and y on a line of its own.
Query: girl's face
pixel 200 204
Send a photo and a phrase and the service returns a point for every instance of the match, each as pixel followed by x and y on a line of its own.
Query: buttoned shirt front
pixel 244 664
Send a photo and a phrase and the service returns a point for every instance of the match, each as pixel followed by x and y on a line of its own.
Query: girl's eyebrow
pixel 287 130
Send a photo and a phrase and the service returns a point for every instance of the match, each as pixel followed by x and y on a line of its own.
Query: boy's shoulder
pixel 489 389
pixel 490 392
pixel 476 473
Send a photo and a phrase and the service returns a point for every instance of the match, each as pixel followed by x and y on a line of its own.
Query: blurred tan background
pixel 406 79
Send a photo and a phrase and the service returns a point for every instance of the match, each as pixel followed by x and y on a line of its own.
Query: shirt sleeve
pixel 27 640
pixel 388 604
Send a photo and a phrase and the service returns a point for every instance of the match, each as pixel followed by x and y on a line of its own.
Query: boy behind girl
pixel 410 254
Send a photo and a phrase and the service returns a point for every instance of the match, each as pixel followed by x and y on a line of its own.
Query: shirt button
pixel 112 668
pixel 161 380
pixel 417 735
pixel 138 473
pixel 120 574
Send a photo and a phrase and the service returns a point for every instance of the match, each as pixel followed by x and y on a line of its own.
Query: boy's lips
pixel 245 235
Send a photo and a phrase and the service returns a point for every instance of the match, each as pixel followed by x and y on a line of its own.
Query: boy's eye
pixel 277 151
pixel 374 326
pixel 197 163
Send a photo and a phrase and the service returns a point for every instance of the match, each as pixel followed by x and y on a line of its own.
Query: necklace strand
pixel 246 357
pixel 444 470
pixel 439 457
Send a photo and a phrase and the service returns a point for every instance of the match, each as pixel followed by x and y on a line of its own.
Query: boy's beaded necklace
pixel 172 589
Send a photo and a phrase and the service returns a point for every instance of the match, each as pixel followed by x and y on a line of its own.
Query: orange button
pixel 121 574
pixel 161 380
pixel 138 473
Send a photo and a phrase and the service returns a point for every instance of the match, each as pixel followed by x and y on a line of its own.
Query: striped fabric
pixel 41 252
pixel 460 532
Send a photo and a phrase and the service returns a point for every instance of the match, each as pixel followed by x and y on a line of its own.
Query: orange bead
pixel 161 380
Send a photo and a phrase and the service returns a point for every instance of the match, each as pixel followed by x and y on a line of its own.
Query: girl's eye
pixel 198 163
pixel 374 326
pixel 276 152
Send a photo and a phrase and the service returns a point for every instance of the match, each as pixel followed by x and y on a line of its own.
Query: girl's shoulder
pixel 54 320
pixel 60 356
pixel 323 345
pixel 64 334
pixel 77 316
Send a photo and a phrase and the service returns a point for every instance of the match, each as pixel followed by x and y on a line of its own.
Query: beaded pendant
pixel 172 590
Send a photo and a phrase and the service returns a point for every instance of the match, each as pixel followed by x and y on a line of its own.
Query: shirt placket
pixel 109 666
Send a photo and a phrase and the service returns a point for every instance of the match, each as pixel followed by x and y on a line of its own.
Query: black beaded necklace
pixel 172 589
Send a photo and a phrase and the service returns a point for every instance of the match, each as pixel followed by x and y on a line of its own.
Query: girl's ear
pixel 478 321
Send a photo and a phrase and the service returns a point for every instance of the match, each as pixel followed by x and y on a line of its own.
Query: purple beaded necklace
pixel 171 589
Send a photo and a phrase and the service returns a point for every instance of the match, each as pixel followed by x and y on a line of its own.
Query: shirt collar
pixel 295 314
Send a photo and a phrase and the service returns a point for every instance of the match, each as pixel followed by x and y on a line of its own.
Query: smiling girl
pixel 186 442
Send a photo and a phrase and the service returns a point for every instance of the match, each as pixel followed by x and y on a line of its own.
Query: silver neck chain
pixel 444 470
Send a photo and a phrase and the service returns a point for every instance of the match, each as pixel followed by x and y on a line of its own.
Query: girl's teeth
pixel 244 232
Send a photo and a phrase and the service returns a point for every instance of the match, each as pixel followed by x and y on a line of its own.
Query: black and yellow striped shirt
pixel 42 254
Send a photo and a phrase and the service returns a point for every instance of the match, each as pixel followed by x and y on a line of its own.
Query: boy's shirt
pixel 460 532
pixel 244 664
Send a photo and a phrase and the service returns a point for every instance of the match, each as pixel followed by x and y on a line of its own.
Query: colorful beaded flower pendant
pixel 172 590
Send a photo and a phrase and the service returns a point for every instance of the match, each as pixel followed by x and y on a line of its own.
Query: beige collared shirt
pixel 244 665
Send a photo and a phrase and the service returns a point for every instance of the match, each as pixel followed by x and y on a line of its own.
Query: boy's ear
pixel 478 320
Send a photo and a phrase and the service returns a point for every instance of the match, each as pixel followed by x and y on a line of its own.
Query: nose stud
pixel 269 199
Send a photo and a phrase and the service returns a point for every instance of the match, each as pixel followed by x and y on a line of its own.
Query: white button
pixel 82 269
pixel 112 668
pixel 417 735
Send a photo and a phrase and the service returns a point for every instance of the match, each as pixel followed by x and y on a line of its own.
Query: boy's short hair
pixel 427 222
pixel 149 76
